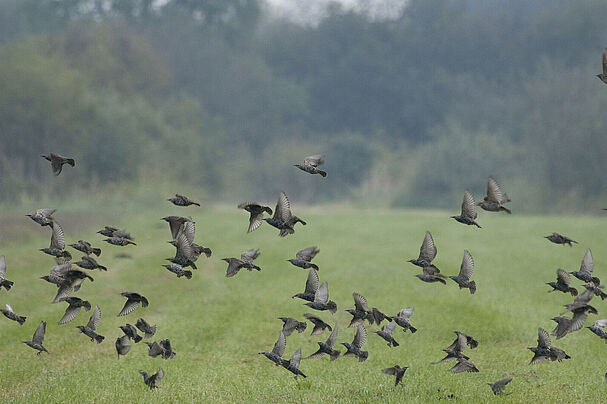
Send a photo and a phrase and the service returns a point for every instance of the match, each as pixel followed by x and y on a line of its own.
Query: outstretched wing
pixel 494 193
pixel 405 313
pixel 280 345
pixel 295 359
pixel 467 267
pixel 2 267
pixel 250 255
pixel 427 251
pixel 307 254
pixel 563 277
pixel 312 281
pixel 605 62
pixel 391 371
pixel 283 208
pixel 38 337
pixel 468 209
pixel 361 336
pixel 189 230
pixel 128 308
pixel 333 337
pixel 95 319
pixel 587 263
pixel 322 293
pixel 315 160
pixel 360 302
pixel 58 237
pixel 543 339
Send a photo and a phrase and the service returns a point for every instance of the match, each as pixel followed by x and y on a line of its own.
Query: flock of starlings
pixel 68 279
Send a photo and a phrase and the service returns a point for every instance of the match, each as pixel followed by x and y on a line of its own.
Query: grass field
pixel 218 325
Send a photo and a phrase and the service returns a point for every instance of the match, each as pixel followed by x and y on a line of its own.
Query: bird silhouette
pixel 562 283
pixel 90 328
pixel 321 300
pixel 311 164
pixel 427 252
pixel 545 351
pixel 178 270
pixel 326 348
pixel 133 300
pixel 303 257
pixel 44 216
pixel 386 333
pixel 495 199
pixel 498 387
pixel 122 345
pixel 603 76
pixel 87 262
pixel 468 214
pixel 38 339
pixel 291 324
pixel 465 273
pixel 151 381
pixel 311 287
pixel 319 324
pixel 11 315
pixel 560 239
pixel 360 312
pixel 278 351
pixel 283 219
pixel 402 319
pixel 598 328
pixel 292 365
pixel 57 162
pixel 73 308
pixel 256 210
pixel 85 247
pixel 163 349
pixel 245 261
pixel 144 327
pixel 355 348
pixel 396 371
pixel 131 332
pixel 181 200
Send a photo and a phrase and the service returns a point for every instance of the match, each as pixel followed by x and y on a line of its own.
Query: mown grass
pixel 218 325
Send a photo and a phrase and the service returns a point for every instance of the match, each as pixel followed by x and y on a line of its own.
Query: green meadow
pixel 217 325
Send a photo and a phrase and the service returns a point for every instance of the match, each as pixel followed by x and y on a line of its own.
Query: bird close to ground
pixel 4 283
pixel 402 319
pixel 278 351
pixel 545 351
pixel 283 219
pixel 291 324
pixel 131 332
pixel 311 287
pixel 468 214
pixel 311 164
pixel 456 350
pixel 164 349
pixel 87 262
pixel 319 324
pixel 326 348
pixel 562 283
pixel 292 365
pixel 122 345
pixel 427 252
pixel 73 308
pixel 57 162
pixel 598 328
pixel 586 268
pixel 396 371
pixel 431 274
pixel 11 315
pixel 361 311
pixel 321 300
pixel 256 210
pixel 85 247
pixel 560 239
pixel 386 334
pixel 38 339
pixel 494 200
pixel 603 76
pixel 498 387
pixel 152 380
pixel 181 200
pixel 90 328
pixel 567 325
pixel 144 327
pixel 472 343
pixel 133 300
pixel 303 257
pixel 355 348
pixel 465 274
pixel 245 261
pixel 464 365
pixel 44 216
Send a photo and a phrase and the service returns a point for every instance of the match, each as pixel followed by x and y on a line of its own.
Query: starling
pixel 599 329
pixel 396 371
pixel 402 319
pixel 38 339
pixel 68 280
pixel 180 200
pixel 131 332
pixel 386 333
pixel 44 217
pixel 11 315
pixel 176 224
pixel 292 365
pixel 87 262
pixel 378 316
pixel 567 325
pixel 586 268
pixel 73 308
pixel 184 255
pixel 132 302
pixel 144 327
pixel 4 283
pixel 178 270
pixel 603 76
pixel 431 274
pixel 119 241
pixel 89 329
pixel 544 351
pixel 498 387
pixel 278 351
pixel 189 230
pixel 456 350
pixel 355 349
pixel 57 162
pixel 327 347
pixel 321 300
pixel 151 381
pixel 245 261
pixel 122 345
pixel 494 200
pixel 57 245
pixel 472 343
pixel 290 324
pixel 163 349
pixel 595 287
pixel 283 219
pixel 319 324
pixel 85 247
pixel 582 300
pixel 256 210
pixel 427 252
pixel 110 231
pixel 560 239
pixel 303 257
pixel 311 287
pixel 465 273
pixel 361 311
pixel 311 164
pixel 468 214
pixel 464 365
pixel 562 283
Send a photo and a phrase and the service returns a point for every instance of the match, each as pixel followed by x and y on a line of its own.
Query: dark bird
pixel 4 283
pixel 184 255
pixel 326 348
pixel 85 247
pixel 464 365
pixel 311 287
pixel 151 381
pixel 176 224
pixel 402 319
pixel 560 239
pixel 189 231
pixel 498 387
pixel 544 351
pixel 468 215
pixel 321 300
pixel 396 371
pixel 178 270
pixel 68 280
pixel 256 210
pixel 599 329
pixel 38 339
pixel 456 350
pixel 73 308
pixel 562 283
pixel 303 257
pixel 110 231
pixel 87 262
pixel 427 252
pixel 603 76
pixel 291 324
pixel 122 345
pixel 283 219
pixel 163 349
pixel 144 327
pixel 586 268
pixel 57 246
pixel 278 351
pixel 11 315
pixel 292 365
pixel 386 334
pixel 245 261
pixel 57 162
pixel 361 311
pixel 181 200
pixel 431 274
pixel 355 348
pixel 311 164
pixel 582 300
pixel 131 332
pixel 91 327
pixel 595 287
pixel 44 217
pixel 378 316
pixel 319 324
pixel 465 273
pixel 495 200
pixel 119 241
pixel 132 302
pixel 472 343
pixel 567 325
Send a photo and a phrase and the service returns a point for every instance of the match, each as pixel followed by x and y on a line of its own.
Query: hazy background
pixel 411 101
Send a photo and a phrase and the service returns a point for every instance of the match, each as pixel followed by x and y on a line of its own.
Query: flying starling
pixel 122 345
pixel 319 324
pixel 456 351
pixel 464 365
pixel 256 210
pixel 498 387
pixel 57 245
pixel 245 261
pixel 89 329
pixel 402 319
pixel 386 334
pixel 278 351
pixel 151 381
pixel 321 300
pixel 427 252
pixel 163 349
pixel 178 270
pixel 562 283
pixel 144 327
pixel 472 343
pixel 4 283
pixel 131 332
pixel 544 351
pixel 290 324
pixel 11 315
pixel 560 239
pixel 68 280
pixel 181 200
pixel 468 215
pixel 586 268
pixel 603 76
pixel 599 329
pixel 176 224
pixel 110 231
pixel 311 164
pixel 465 273
pixel 189 231
pixel 361 311
pixel 327 347
pixel 132 302
pixel 73 308
pixel 378 316
pixel 184 255
pixel 44 217
pixel 85 247
pixel 494 200
pixel 303 257
pixel 355 349
pixel 292 365
pixel 396 371
pixel 283 219
pixel 567 325
pixel 57 162
pixel 311 287
pixel 87 262
pixel 119 241
pixel 38 339
pixel 582 300
pixel 431 274
pixel 595 287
